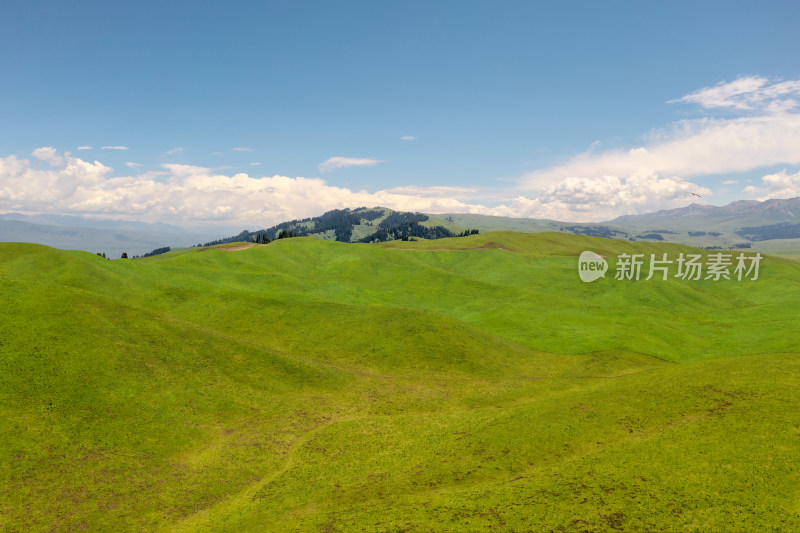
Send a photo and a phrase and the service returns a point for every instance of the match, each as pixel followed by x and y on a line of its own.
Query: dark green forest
pixel 393 226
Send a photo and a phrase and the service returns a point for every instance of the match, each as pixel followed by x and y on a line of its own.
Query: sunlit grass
pixel 310 385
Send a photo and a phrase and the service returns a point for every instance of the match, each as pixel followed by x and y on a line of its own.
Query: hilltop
pixel 465 383
pixel 377 224
pixel 770 226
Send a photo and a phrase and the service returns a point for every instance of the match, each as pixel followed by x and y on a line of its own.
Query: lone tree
pixel 124 255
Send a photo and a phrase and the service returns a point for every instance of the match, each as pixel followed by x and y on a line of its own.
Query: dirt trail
pixel 241 247
pixel 487 246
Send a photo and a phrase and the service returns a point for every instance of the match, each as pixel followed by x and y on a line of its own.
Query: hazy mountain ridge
pixel 70 221
pixel 780 209
pixel 112 237
pixel 772 226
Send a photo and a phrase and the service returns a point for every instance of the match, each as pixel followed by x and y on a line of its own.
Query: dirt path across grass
pixel 487 246
pixel 241 247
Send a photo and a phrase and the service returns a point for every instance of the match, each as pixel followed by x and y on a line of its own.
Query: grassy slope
pixel 789 248
pixel 724 224
pixel 308 385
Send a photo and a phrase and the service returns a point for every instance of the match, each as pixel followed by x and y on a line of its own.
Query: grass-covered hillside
pixel 362 225
pixel 769 226
pixel 468 384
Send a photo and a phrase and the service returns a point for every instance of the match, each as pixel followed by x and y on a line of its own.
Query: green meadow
pixel 467 384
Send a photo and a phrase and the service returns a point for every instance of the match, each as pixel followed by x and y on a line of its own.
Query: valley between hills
pixel 463 384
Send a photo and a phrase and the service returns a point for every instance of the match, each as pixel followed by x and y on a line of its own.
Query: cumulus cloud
pixel 24 187
pixel 131 164
pixel 594 186
pixel 656 174
pixel 408 138
pixel 49 155
pixel 602 198
pixel 437 190
pixel 749 93
pixel 779 185
pixel 691 148
pixel 184 194
pixel 342 162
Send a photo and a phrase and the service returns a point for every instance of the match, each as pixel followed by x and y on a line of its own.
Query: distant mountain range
pixel 742 212
pixel 112 237
pixel 772 226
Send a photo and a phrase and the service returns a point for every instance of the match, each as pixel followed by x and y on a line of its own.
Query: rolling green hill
pixel 770 226
pixel 469 384
pixel 362 225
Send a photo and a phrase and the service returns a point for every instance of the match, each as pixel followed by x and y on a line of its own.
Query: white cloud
pixel 691 148
pixel 408 138
pixel 85 148
pixel 49 154
pixel 240 149
pixel 593 186
pixel 656 174
pixel 603 198
pixel 216 153
pixel 749 93
pixel 38 190
pixel 185 194
pixel 342 162
pixel 131 164
pixel 255 164
pixel 779 185
pixel 174 151
pixel 115 147
pixel 435 190
pixel 730 182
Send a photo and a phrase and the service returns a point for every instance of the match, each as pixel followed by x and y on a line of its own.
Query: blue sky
pixel 247 113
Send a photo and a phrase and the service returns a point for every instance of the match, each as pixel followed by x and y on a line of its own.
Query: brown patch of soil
pixel 488 245
pixel 241 247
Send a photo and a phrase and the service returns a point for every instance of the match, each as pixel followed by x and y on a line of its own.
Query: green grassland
pixel 789 248
pixel 720 229
pixel 466 384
